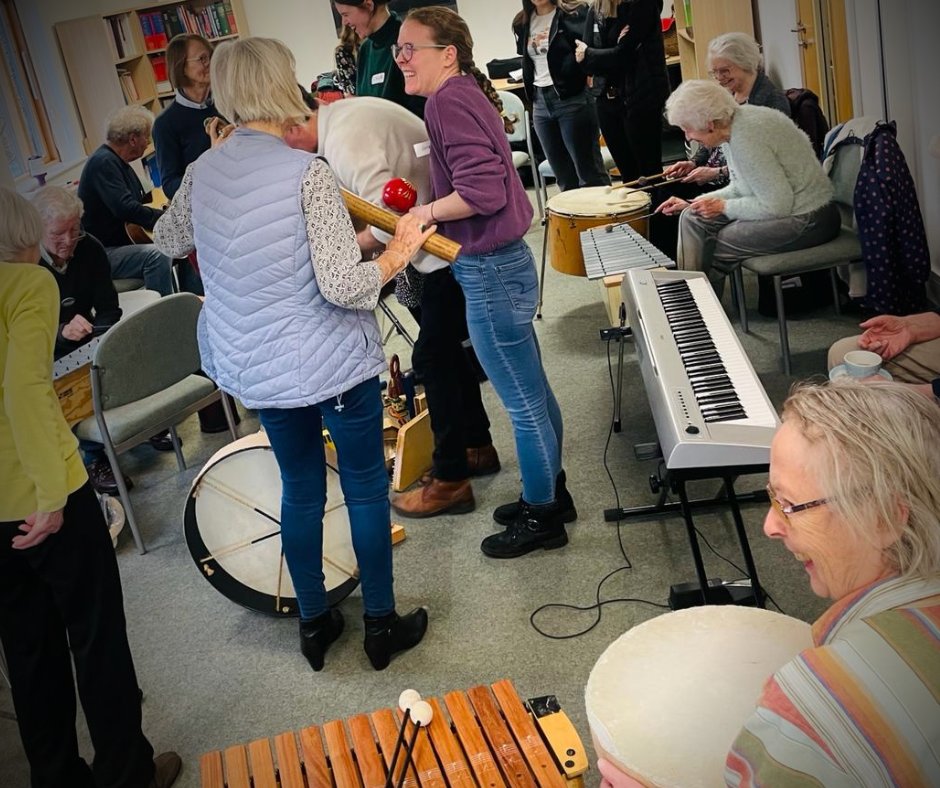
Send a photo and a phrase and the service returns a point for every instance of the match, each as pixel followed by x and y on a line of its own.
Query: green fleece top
pixel 379 75
pixel 39 462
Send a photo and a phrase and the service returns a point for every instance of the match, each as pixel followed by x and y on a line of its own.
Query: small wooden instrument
pixel 490 739
pixel 364 210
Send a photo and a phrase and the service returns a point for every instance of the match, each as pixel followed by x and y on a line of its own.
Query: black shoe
pixel 387 635
pixel 162 441
pixel 102 478
pixel 508 512
pixel 166 768
pixel 317 634
pixel 535 527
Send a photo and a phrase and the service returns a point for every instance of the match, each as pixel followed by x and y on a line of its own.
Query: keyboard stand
pixel 676 480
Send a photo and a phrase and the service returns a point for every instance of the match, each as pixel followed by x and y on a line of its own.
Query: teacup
pixel 862 363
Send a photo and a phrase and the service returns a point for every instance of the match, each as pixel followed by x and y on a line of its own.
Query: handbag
pixel 409 287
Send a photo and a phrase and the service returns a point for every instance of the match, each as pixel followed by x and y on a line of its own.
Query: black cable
pixel 598 602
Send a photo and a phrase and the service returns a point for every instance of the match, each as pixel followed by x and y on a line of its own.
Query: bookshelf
pixel 699 21
pixel 120 57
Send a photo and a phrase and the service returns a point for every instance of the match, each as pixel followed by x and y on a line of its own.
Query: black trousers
pixel 65 595
pixel 458 418
pixel 635 142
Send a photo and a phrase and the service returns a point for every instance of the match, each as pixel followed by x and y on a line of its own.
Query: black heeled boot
pixel 387 635
pixel 508 512
pixel 317 634
pixel 535 527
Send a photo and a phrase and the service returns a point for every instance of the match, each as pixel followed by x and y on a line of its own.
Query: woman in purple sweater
pixel 480 202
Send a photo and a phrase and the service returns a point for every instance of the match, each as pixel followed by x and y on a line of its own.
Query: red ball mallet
pixel 400 195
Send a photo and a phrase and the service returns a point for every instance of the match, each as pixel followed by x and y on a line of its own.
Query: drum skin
pixel 667 699
pixel 576 210
pixel 232 529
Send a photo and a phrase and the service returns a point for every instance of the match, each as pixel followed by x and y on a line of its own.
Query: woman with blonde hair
pixel 288 328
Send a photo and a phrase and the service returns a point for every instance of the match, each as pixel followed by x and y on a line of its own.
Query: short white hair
pixel 20 226
pixel 55 203
pixel 253 79
pixel 698 102
pixel 132 119
pixel 739 48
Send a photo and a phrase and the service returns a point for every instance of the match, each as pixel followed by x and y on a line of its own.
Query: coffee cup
pixel 862 363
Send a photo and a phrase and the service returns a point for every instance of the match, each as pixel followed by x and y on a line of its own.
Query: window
pixel 24 124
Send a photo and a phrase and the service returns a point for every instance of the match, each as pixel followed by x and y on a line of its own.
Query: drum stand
pixel 397 325
pixel 705 591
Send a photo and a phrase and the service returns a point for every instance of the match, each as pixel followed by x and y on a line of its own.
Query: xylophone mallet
pixel 421 715
pixel 406 700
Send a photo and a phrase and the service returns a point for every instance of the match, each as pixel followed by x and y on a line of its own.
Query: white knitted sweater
pixel 774 171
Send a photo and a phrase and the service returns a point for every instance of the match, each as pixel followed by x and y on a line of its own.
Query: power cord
pixel 598 602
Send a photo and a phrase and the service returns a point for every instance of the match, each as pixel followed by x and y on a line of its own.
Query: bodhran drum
pixel 667 699
pixel 576 210
pixel 232 527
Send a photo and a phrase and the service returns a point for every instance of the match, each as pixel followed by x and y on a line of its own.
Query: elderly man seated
pixel 113 195
pixel 88 302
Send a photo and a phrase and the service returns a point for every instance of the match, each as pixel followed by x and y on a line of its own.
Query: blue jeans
pixel 501 289
pixel 570 137
pixel 354 420
pixel 142 261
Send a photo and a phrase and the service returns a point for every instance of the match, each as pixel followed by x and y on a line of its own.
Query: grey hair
pixel 20 226
pixel 132 119
pixel 739 48
pixel 879 459
pixel 55 203
pixel 698 102
pixel 253 79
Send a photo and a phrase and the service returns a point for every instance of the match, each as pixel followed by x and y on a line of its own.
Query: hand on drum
pixel 672 206
pixel 708 207
pixel 612 777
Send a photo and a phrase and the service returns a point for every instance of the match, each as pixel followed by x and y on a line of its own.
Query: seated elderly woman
pixel 778 198
pixel 855 497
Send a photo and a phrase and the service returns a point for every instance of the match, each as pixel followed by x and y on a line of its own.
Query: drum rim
pixel 233 589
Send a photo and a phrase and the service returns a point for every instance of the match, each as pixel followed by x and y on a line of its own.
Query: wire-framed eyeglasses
pixel 407 51
pixel 203 59
pixel 793 508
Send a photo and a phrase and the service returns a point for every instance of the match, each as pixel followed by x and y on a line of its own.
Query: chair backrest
pixel 844 174
pixel 514 107
pixel 149 351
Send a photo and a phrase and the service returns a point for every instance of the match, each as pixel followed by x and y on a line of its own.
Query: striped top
pixel 862 707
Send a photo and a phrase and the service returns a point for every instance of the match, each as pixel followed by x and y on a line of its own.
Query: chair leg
pixel 124 495
pixel 538 187
pixel 737 290
pixel 538 309
pixel 177 449
pixel 834 278
pixel 782 323
pixel 229 417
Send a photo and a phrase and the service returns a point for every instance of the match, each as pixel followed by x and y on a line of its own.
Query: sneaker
pixel 166 768
pixel 102 478
pixel 162 441
pixel 482 461
pixel 435 496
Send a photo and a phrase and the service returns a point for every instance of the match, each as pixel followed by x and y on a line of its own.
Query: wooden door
pixel 839 70
pixel 807 41
pixel 824 55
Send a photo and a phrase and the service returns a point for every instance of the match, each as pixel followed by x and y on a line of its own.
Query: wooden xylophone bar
pixel 490 740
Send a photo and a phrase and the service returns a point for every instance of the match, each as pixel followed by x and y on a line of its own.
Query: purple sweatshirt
pixel 470 154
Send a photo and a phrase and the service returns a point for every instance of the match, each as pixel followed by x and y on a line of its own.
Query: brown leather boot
pixel 435 496
pixel 482 461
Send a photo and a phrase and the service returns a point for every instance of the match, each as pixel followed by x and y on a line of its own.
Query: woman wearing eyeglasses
pixel 179 133
pixel 855 499
pixel 377 74
pixel 480 202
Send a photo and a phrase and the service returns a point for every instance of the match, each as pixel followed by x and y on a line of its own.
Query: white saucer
pixel 841 372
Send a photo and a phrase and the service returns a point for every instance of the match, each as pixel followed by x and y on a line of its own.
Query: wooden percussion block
pixel 482 738
pixel 413 451
pixel 74 393
pixel 612 297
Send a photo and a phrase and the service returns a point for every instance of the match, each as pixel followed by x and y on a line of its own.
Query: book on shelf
pixel 128 86
pixel 159 67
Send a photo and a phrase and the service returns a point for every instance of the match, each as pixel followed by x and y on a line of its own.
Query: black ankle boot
pixel 508 512
pixel 535 527
pixel 387 635
pixel 317 634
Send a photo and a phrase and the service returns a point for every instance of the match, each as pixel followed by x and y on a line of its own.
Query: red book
pixel 159 67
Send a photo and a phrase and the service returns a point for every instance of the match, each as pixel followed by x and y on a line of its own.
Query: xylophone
pixel 487 738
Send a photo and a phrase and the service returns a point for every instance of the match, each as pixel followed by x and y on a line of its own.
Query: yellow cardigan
pixel 39 461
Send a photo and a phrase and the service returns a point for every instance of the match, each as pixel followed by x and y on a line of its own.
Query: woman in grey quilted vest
pixel 288 328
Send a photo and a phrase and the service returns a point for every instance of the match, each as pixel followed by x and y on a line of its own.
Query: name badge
pixel 422 149
pixel 378 79
pixel 597 28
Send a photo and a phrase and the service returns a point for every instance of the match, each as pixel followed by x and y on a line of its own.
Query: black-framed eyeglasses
pixel 407 51
pixel 793 508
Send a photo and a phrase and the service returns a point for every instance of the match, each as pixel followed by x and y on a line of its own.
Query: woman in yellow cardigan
pixel 60 591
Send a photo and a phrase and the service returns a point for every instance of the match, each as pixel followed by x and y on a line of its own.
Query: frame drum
pixel 232 528
pixel 576 210
pixel 667 699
